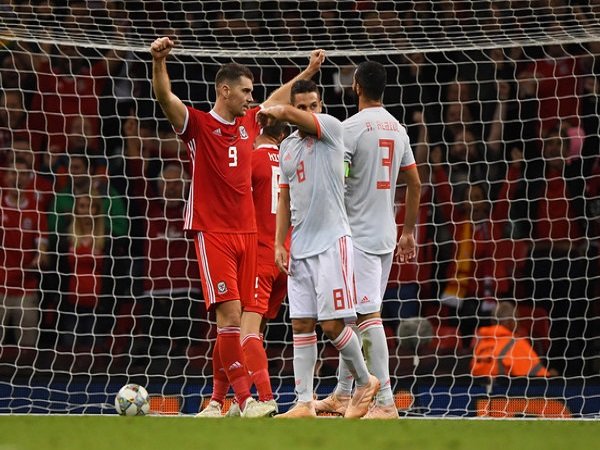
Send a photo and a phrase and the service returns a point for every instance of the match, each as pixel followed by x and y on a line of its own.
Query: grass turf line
pixel 95 432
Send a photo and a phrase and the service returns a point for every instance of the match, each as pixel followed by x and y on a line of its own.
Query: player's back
pixel 377 148
pixel 265 191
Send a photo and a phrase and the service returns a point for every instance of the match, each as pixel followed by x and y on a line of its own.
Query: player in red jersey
pixel 271 283
pixel 220 207
pixel 23 251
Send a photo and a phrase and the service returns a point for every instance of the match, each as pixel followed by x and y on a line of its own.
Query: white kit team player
pixel 377 148
pixel 320 282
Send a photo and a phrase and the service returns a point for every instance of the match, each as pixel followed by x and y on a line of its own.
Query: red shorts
pixel 271 289
pixel 227 263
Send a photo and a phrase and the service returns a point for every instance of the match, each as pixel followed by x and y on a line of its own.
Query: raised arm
pixel 171 105
pixel 282 94
pixel 304 120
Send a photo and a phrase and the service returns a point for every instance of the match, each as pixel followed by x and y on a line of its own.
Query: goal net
pixel 499 314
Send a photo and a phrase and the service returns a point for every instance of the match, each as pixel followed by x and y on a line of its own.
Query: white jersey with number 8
pixel 313 169
pixel 377 147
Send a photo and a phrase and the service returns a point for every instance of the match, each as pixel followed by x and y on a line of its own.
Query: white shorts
pixel 371 273
pixel 322 286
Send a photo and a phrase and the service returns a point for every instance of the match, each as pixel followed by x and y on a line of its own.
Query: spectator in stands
pixel 17 69
pixel 465 162
pixel 559 269
pixel 23 246
pixel 172 283
pixel 418 93
pixel 557 74
pixel 523 124
pixel 410 281
pixel 593 291
pixel 40 185
pixel 513 124
pixel 70 84
pixel 80 182
pixel 457 117
pixel 83 255
pixel 498 349
pixel 590 122
pixel 13 120
pixel 476 274
pixel 491 71
pixel 460 91
pixel 590 119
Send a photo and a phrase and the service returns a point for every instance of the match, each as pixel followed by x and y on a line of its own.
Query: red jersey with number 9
pixel 220 198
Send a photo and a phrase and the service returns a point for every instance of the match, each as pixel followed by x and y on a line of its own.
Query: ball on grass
pixel 132 400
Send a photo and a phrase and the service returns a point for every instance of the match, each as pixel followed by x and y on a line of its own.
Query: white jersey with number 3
pixel 377 147
pixel 312 167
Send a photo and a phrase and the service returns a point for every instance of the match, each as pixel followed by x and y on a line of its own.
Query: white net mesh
pixel 272 27
pixel 500 101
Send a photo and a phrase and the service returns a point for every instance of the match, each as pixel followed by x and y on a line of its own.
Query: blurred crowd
pixel 94 258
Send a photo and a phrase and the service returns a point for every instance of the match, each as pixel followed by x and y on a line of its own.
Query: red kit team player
pixel 221 211
pixel 271 283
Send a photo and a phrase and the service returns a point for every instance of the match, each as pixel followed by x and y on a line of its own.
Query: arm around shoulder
pixel 304 120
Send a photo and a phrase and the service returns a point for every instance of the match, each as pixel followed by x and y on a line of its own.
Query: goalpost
pixel 500 100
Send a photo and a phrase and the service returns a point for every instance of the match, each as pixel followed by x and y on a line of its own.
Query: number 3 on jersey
pixel 232 156
pixel 386 147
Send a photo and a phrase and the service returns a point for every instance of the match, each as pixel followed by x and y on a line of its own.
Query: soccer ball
pixel 132 400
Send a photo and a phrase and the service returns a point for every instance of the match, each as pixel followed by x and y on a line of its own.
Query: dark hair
pixel 232 72
pixel 303 87
pixel 275 129
pixel 371 77
pixel 79 153
pixel 21 160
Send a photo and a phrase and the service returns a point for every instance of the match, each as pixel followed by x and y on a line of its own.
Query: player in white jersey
pixel 320 281
pixel 377 149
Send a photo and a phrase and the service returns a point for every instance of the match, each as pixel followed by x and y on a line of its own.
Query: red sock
pixel 220 381
pixel 256 363
pixel 231 359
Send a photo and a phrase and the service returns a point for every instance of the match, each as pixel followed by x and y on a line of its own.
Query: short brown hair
pixel 232 72
pixel 276 129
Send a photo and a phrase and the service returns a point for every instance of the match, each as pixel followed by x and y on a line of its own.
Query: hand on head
pixel 269 116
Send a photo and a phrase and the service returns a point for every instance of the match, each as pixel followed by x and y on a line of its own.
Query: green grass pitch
pixel 95 432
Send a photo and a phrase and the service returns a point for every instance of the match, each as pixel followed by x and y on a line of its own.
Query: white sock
pixel 344 377
pixel 348 345
pixel 378 357
pixel 305 358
